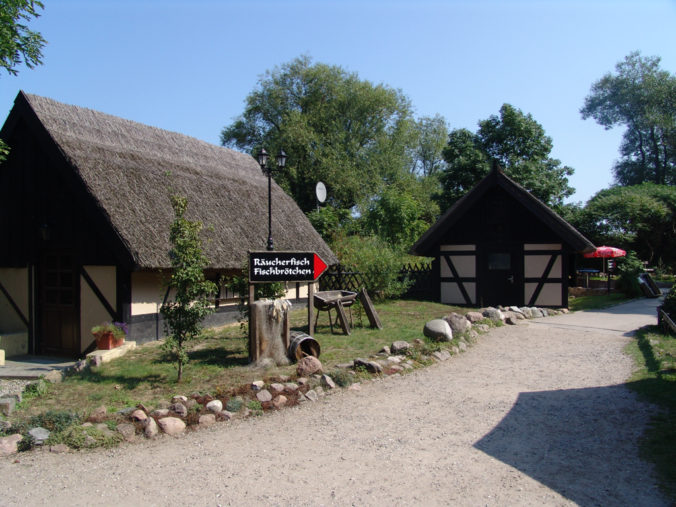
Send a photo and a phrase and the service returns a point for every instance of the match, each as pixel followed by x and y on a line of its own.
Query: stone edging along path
pixel 197 411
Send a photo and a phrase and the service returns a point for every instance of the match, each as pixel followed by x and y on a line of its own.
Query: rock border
pixel 183 413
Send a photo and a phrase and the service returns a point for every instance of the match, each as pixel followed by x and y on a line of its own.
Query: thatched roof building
pixel 83 192
pixel 129 169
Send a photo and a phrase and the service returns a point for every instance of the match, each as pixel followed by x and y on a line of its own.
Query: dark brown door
pixel 502 280
pixel 58 297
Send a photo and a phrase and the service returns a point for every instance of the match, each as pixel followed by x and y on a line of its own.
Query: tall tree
pixel 515 141
pixel 431 137
pixel 349 133
pixel 639 217
pixel 642 97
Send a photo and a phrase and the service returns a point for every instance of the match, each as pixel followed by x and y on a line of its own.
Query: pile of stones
pixel 468 324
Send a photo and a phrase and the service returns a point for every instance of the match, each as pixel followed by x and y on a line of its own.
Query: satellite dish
pixel 320 190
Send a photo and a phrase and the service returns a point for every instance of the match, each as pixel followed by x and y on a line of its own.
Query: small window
pixel 499 261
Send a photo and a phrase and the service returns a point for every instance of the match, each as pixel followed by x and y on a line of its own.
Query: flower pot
pixel 107 341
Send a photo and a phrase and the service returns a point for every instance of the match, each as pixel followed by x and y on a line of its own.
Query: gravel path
pixel 531 415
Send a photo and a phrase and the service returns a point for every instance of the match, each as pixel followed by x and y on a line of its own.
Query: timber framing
pixel 499 245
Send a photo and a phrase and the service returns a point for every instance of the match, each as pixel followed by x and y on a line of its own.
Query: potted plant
pixel 109 335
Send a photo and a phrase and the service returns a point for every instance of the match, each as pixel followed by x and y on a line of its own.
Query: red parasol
pixel 606 251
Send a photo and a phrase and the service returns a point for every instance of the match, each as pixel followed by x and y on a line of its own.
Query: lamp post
pixel 263 161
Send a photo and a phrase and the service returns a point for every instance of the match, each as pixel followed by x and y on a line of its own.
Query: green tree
pixel 642 97
pixel 640 218
pixel 18 44
pixel 351 134
pixel 431 137
pixel 515 141
pixel 402 212
pixel 183 316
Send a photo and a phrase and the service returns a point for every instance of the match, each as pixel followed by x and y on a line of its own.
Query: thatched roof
pixel 425 246
pixel 124 166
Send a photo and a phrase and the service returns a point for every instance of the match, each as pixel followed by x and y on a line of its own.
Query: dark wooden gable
pixel 45 204
pixel 499 210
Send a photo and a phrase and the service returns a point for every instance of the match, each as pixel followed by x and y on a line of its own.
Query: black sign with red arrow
pixel 285 267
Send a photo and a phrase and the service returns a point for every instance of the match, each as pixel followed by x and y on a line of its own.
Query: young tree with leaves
pixel 184 315
pixel 642 97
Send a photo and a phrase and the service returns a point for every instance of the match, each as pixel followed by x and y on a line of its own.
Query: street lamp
pixel 263 161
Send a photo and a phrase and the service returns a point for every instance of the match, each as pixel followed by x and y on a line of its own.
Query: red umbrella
pixel 606 251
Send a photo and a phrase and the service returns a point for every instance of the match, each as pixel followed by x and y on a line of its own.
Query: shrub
pixel 377 260
pixel 629 268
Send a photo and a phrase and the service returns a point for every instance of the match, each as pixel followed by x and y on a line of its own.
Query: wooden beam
pixel 311 308
pixel 340 309
pixel 369 309
pixel 666 319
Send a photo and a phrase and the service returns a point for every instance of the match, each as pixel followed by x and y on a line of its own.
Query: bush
pixel 629 268
pixel 669 305
pixel 377 260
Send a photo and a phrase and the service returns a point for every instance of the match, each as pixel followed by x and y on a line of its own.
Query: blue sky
pixel 188 66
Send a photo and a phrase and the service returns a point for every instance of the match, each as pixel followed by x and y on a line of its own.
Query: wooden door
pixel 502 275
pixel 59 304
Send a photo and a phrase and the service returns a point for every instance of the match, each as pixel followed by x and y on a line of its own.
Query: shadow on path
pixel 581 443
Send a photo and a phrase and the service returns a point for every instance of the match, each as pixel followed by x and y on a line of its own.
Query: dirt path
pixel 531 415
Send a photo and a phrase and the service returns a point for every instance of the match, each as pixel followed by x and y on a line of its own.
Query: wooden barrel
pixel 302 345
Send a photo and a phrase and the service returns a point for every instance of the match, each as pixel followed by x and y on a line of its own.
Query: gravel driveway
pixel 530 415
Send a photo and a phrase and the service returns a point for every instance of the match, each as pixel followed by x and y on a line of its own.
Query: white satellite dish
pixel 320 190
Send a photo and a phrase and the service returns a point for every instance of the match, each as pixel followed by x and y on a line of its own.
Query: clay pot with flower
pixel 109 335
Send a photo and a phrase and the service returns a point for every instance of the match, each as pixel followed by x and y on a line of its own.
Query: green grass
pixel 596 301
pixel 219 362
pixel 655 380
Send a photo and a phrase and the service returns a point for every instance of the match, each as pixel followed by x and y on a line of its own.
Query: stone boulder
pixel 494 314
pixel 263 395
pixel 172 426
pixel 179 409
pixel 369 366
pixel 280 401
pixel 438 330
pixel 10 445
pixel 308 366
pixel 399 347
pixel 474 317
pixel 151 430
pixel 39 435
pixel 458 323
pixel 214 406
pixel 128 431
pixel 207 420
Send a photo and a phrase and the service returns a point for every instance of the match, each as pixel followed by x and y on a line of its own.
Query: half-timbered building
pixel 499 245
pixel 85 216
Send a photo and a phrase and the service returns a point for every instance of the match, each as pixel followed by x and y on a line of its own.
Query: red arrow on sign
pixel 320 266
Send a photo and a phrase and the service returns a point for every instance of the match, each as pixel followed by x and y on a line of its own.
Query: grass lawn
pixel 596 301
pixel 219 362
pixel 655 380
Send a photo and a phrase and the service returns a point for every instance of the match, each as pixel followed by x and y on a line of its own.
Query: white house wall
pixel 535 265
pixel 92 311
pixel 148 290
pixel 465 266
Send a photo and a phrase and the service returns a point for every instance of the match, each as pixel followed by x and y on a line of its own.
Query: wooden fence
pixel 420 276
